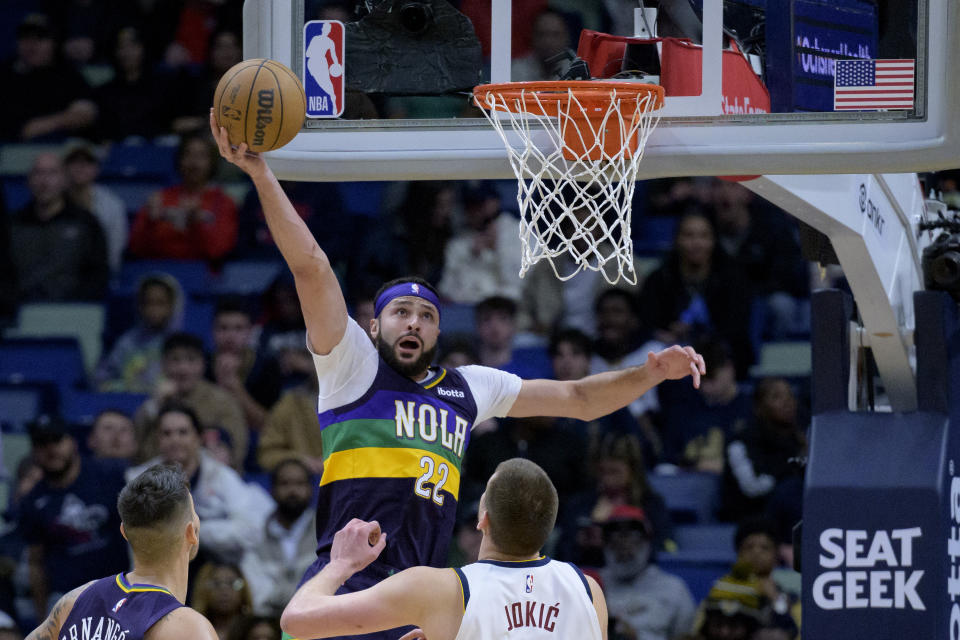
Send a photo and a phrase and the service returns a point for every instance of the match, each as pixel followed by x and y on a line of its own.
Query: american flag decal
pixel 869 85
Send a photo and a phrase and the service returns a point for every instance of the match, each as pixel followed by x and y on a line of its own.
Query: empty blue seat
pixel 140 162
pixel 81 407
pixel 193 275
pixel 699 576
pixel 706 542
pixel 691 497
pixel 362 198
pixel 22 402
pixel 16 192
pixel 56 360
pixel 247 277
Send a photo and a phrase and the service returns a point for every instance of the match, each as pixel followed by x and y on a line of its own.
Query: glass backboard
pixel 752 86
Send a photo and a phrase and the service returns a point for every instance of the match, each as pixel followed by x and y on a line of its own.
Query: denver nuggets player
pixel 161 525
pixel 394 428
pixel 511 592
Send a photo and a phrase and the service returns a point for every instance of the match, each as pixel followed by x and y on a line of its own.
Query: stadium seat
pixel 81 407
pixel 362 198
pixel 457 318
pixel 246 277
pixel 82 320
pixel 690 496
pixel 16 192
pixel 56 360
pixel 705 542
pixel 22 402
pixel 146 162
pixel 193 275
pixel 699 576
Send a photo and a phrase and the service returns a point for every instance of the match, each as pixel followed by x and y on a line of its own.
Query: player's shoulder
pixel 182 622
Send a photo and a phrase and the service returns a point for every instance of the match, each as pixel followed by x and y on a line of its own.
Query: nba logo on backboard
pixel 323 67
pixel 529 583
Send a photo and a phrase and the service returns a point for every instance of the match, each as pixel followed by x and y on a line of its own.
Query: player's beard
pixel 410 369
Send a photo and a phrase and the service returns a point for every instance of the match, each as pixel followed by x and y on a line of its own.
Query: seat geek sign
pixel 880 556
pixel 868 569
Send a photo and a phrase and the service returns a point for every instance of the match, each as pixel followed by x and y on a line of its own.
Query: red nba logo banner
pixel 323 68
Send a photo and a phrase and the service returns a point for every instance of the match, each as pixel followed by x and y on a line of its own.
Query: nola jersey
pixel 393 448
pixel 113 609
pixel 534 599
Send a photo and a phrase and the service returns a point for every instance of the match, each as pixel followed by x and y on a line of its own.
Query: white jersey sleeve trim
pixel 347 371
pixel 493 390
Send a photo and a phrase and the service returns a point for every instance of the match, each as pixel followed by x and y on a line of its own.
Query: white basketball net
pixel 576 208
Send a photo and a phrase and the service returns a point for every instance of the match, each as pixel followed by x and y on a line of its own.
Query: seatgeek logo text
pixel 871 569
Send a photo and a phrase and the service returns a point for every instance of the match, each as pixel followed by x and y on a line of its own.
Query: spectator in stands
pixel 112 436
pixel 69 519
pixel 319 205
pixel 549 303
pixel 283 336
pixel 765 245
pixel 560 453
pixel 496 329
pixel 274 565
pixel 236 365
pixel 698 424
pixel 46 99
pixel 291 430
pixel 484 259
pixel 59 250
pixel 83 167
pixel 224 51
pixel 696 291
pixel 645 601
pixel 732 611
pixel 183 366
pixel 756 546
pixel 570 353
pixel 426 220
pixel 193 220
pixel 620 478
pixel 620 344
pixel 229 509
pixel 458 351
pixel 765 453
pixel 137 102
pixel 222 595
pixel 256 628
pixel 550 38
pixel 9 291
pixel 85 27
pixel 134 364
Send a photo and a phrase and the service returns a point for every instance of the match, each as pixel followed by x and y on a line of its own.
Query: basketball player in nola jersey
pixel 394 428
pixel 511 592
pixel 159 521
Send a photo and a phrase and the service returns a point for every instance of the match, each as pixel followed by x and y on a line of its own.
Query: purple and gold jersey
pixel 112 608
pixel 394 455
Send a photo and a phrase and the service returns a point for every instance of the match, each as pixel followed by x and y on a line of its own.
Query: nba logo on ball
pixel 323 67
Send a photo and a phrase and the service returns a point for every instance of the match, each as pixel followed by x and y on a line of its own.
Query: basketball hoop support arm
pixel 871 221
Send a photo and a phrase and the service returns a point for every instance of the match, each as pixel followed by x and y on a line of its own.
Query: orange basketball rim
pixel 598 119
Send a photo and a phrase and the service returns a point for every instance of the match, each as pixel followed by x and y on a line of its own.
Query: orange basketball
pixel 260 102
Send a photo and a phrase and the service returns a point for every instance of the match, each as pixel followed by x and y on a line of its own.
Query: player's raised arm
pixel 321 299
pixel 602 393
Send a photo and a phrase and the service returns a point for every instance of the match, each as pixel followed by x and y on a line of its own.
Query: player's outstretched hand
pixel 248 161
pixel 358 544
pixel 677 362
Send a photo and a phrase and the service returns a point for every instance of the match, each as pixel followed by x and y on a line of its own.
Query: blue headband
pixel 405 289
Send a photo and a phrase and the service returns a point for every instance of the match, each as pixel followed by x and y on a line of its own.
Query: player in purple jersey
pixel 395 428
pixel 159 521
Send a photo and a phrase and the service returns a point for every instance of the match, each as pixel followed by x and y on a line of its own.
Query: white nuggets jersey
pixel 533 599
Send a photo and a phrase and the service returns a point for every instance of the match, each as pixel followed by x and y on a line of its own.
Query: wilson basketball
pixel 260 102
